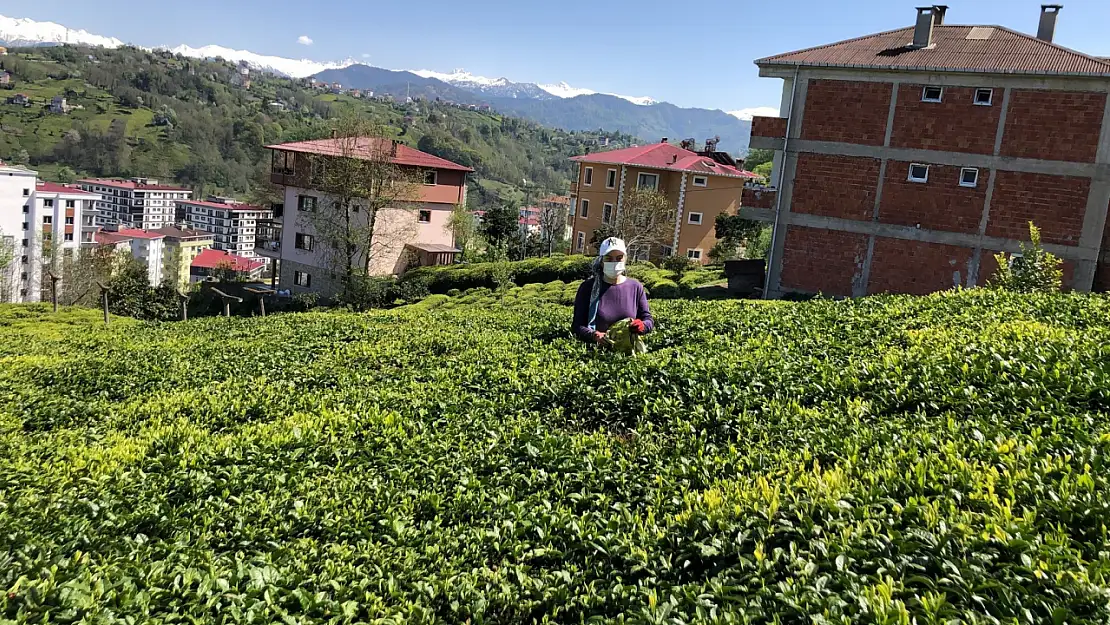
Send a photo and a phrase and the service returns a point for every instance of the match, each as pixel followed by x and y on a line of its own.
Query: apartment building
pixel 140 203
pixel 181 247
pixel 17 198
pixel 699 185
pixel 408 235
pixel 148 247
pixel 905 160
pixel 233 225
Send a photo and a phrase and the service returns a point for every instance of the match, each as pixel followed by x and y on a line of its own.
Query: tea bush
pixel 492 275
pixel 889 460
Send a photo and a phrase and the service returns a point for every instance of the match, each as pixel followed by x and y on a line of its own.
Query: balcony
pixel 768 133
pixel 267 241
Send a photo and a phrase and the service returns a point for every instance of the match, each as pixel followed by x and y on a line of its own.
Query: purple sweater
pixel 618 301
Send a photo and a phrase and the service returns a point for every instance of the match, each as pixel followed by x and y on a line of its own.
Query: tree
pixel 1032 271
pixel 758 157
pixel 645 218
pixel 734 233
pixel 764 170
pixel 553 221
pixel 501 224
pixel 66 175
pixel 464 230
pixel 364 212
pixel 9 269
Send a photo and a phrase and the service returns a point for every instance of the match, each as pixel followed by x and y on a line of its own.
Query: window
pixel 24 241
pixel 665 250
pixel 932 94
pixel 588 177
pixel 430 177
pixel 694 218
pixel 47 219
pixel 71 203
pixel 693 254
pixel 611 179
pixel 425 217
pixel 648 181
pixel 580 243
pixel 585 208
pixel 69 221
pixel 607 213
pixel 919 172
pixel 69 236
pixel 48 203
pixel 302 278
pixel 26 209
pixel 306 203
pixel 984 97
pixel 303 242
pixel 26 192
pixel 969 177
pixel 701 181
pixel 24 259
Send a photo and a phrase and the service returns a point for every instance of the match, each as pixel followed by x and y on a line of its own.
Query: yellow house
pixel 182 247
pixel 699 185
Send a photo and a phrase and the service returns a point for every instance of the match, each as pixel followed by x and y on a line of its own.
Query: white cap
pixel 612 244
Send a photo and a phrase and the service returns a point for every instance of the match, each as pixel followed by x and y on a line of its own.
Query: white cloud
pixel 758 111
pixel 304 40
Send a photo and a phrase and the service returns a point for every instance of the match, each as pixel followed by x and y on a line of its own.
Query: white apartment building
pixel 233 225
pixel 149 248
pixel 37 219
pixel 135 203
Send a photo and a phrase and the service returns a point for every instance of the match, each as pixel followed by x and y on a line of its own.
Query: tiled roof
pixel 108 238
pixel 226 207
pixel 50 187
pixel 213 259
pixel 182 233
pixel 664 156
pixel 370 147
pixel 137 233
pixel 131 184
pixel 989 49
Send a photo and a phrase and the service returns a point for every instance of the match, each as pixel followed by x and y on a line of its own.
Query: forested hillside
pixel 170 117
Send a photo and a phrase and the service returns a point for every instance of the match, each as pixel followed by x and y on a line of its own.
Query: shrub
pixel 677 264
pixel 454 293
pixel 1032 271
pixel 665 289
pixel 533 270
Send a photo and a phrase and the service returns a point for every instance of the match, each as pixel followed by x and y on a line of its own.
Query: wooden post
pixel 184 306
pixel 54 289
pixel 261 293
pixel 227 301
pixel 104 299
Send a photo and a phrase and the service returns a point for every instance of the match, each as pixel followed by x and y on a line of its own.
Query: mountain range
pixel 558 104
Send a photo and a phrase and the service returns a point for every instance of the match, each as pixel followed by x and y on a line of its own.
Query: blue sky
pixel 689 53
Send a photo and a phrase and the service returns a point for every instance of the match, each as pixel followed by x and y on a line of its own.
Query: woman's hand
pixel 601 339
pixel 637 326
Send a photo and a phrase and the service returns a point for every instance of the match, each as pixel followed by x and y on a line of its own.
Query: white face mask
pixel 612 270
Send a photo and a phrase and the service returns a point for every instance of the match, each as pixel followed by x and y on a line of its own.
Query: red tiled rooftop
pixel 50 187
pixel 369 148
pixel 138 233
pixel 213 259
pixel 990 49
pixel 131 184
pixel 109 238
pixel 182 233
pixel 219 206
pixel 665 156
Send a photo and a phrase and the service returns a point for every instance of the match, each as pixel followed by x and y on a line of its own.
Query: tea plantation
pixel 891 460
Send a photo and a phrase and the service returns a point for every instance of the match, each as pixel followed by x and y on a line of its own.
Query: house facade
pixel 140 203
pixel 181 247
pixel 406 235
pixel 211 262
pixel 233 225
pixel 906 160
pixel 699 185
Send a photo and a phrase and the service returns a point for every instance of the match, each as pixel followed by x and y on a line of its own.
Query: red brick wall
pixel 846 111
pixel 1054 125
pixel 940 204
pixel 769 127
pixel 835 186
pixel 955 124
pixel 917 268
pixel 1056 204
pixel 988 266
pixel 756 198
pixel 822 261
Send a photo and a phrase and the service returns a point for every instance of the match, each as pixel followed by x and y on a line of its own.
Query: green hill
pixel 159 115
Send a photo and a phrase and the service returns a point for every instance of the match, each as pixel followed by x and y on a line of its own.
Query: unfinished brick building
pixel 905 160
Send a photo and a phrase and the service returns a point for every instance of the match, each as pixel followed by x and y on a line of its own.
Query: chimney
pixel 1047 29
pixel 393 150
pixel 664 140
pixel 674 159
pixel 334 134
pixel 939 11
pixel 923 32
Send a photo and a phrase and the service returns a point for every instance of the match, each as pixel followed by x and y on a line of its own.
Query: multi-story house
pixel 699 185
pixel 149 248
pixel 140 203
pixel 906 160
pixel 211 262
pixel 17 199
pixel 416 233
pixel 233 225
pixel 182 247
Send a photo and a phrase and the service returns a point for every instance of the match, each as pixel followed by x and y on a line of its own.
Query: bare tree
pixel 9 269
pixel 79 270
pixel 553 221
pixel 366 210
pixel 645 218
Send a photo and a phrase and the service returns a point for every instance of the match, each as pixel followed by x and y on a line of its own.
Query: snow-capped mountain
pixel 23 32
pixel 493 87
pixel 758 111
pixel 295 68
